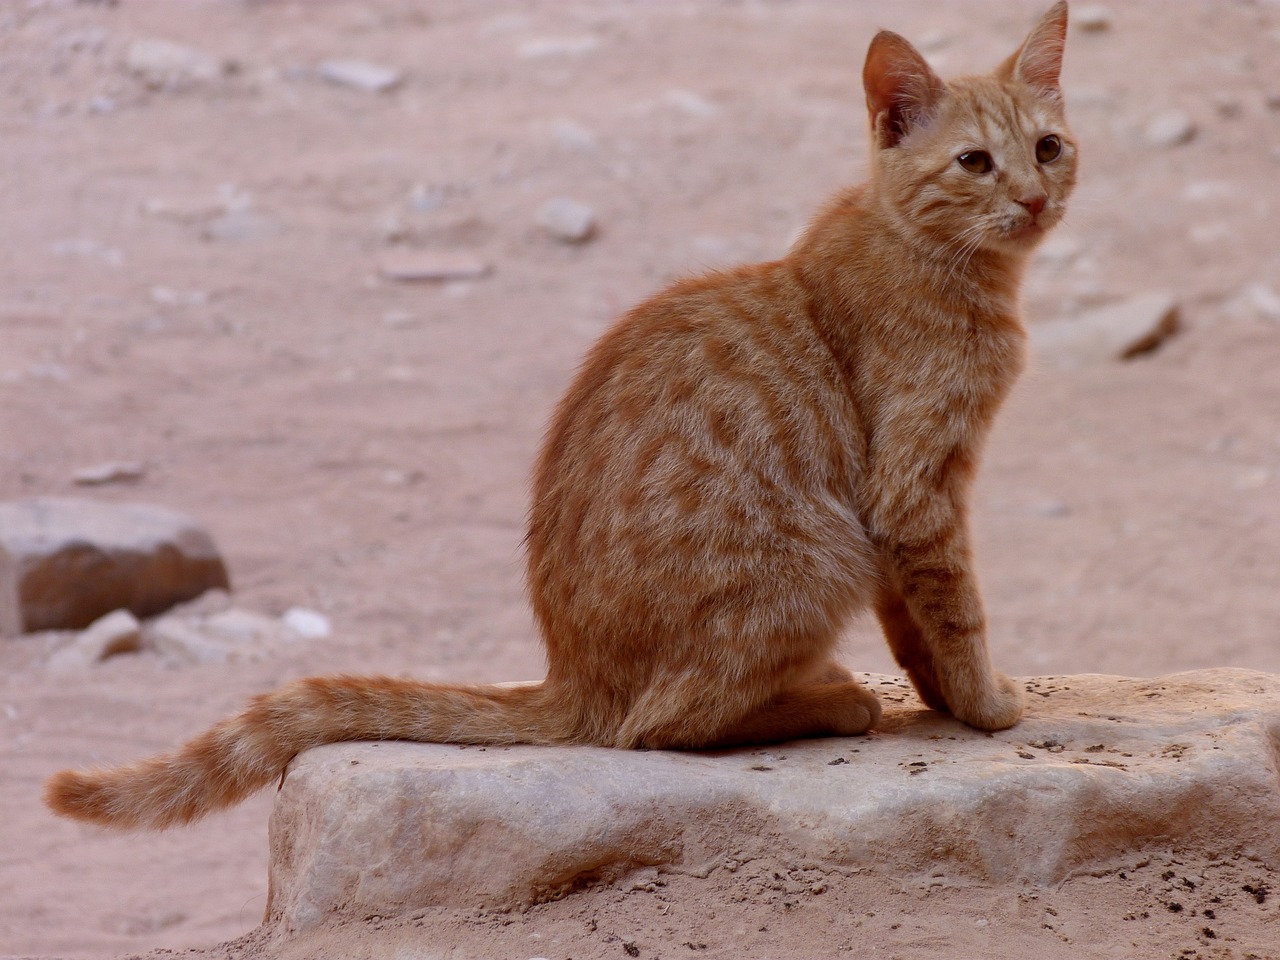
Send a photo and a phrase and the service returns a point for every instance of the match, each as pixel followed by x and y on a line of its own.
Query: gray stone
pixel 1119 331
pixel 1169 129
pixel 227 636
pixel 116 471
pixel 164 64
pixel 360 75
pixel 569 221
pixel 1099 770
pixel 1092 18
pixel 117 632
pixel 414 266
pixel 66 562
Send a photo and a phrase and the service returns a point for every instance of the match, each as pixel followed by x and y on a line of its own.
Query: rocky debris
pixel 416 266
pixel 548 47
pixel 360 75
pixel 165 65
pixel 1171 128
pixel 118 632
pixel 1092 18
pixel 226 636
pixel 1100 770
pixel 1119 331
pixel 568 221
pixel 308 624
pixel 65 562
pixel 115 471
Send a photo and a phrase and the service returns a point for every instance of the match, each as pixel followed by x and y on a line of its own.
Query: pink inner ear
pixel 1039 63
pixel 901 88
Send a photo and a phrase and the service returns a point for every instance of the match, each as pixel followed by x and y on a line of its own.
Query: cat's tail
pixel 247 751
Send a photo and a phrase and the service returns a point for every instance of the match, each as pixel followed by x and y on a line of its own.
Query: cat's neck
pixel 860 246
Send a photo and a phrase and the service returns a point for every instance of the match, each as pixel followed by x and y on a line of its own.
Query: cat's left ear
pixel 1038 62
pixel 901 88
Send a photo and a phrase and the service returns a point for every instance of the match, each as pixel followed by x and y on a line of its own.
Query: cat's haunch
pixel 746 461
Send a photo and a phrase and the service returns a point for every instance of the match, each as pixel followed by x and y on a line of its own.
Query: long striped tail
pixel 245 752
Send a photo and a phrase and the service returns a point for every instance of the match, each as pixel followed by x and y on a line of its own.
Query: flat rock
pixel 1171 128
pixel 118 632
pixel 65 562
pixel 162 63
pixel 1099 770
pixel 360 75
pixel 427 266
pixel 1118 331
pixel 569 221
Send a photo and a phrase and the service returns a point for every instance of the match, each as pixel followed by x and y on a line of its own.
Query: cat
pixel 743 463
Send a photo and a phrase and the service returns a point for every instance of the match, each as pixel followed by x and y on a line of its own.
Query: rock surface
pixel 1099 769
pixel 1118 331
pixel 66 562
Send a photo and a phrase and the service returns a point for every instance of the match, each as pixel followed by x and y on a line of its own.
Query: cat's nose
pixel 1033 203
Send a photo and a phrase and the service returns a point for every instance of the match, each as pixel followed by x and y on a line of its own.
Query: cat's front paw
pixel 999 709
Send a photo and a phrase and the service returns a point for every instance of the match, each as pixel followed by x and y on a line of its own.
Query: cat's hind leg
pixel 829 702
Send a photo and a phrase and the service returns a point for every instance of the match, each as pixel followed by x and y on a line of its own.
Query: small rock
pixel 308 624
pixel 557 47
pixel 360 75
pixel 1169 129
pixel 163 64
pixel 120 471
pixel 567 220
pixel 66 562
pixel 423 266
pixel 240 226
pixel 1262 300
pixel 1120 331
pixel 1093 18
pixel 117 632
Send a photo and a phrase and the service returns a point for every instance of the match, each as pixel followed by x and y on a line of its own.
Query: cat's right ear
pixel 901 88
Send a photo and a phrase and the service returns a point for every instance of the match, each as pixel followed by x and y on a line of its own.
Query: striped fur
pixel 744 462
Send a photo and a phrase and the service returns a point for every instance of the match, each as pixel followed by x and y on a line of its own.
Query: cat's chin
pixel 1020 240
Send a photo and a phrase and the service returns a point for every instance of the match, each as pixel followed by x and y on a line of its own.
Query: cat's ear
pixel 1038 62
pixel 901 88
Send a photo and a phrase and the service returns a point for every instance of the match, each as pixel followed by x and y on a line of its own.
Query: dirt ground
pixel 190 279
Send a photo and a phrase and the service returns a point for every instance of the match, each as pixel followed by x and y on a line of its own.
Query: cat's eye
pixel 1048 148
pixel 976 161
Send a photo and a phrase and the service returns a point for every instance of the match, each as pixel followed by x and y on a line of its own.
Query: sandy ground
pixel 189 278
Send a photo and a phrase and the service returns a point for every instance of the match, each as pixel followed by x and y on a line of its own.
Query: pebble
pixel 360 75
pixel 1171 128
pixel 116 471
pixel 423 266
pixel 307 624
pixel 164 64
pixel 117 632
pixel 569 221
pixel 557 47
pixel 1120 331
pixel 1094 18
pixel 1264 300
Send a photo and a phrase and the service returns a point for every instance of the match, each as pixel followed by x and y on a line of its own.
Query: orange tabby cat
pixel 745 462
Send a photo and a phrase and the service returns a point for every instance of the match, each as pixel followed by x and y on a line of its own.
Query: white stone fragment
pixel 546 47
pixel 360 75
pixel 164 64
pixel 1171 128
pixel 1120 331
pixel 569 221
pixel 117 632
pixel 412 266
pixel 1092 18
pixel 115 471
pixel 308 624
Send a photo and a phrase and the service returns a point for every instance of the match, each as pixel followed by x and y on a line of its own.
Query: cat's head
pixel 978 161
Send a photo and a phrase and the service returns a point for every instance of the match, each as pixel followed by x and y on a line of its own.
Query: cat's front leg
pixel 940 600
